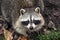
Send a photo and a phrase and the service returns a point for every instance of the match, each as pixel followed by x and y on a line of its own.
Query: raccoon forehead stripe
pixel 25 19
pixel 36 18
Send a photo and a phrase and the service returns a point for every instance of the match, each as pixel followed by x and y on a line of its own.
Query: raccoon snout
pixel 31 28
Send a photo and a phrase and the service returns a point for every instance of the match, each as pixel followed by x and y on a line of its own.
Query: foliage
pixel 1 37
pixel 52 36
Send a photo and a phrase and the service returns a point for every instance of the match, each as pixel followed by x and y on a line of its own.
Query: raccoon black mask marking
pixel 23 20
pixel 30 19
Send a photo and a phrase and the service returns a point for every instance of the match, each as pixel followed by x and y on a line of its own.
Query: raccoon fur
pixel 23 15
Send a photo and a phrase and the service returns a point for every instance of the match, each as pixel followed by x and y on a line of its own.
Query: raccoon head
pixel 30 19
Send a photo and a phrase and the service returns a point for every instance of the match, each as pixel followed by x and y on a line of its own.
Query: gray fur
pixel 11 12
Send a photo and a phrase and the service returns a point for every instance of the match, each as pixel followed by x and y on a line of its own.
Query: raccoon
pixel 23 15
pixel 29 20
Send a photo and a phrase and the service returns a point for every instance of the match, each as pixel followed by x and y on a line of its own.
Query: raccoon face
pixel 30 20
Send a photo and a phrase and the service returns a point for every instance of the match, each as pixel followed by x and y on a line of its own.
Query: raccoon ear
pixel 22 11
pixel 37 10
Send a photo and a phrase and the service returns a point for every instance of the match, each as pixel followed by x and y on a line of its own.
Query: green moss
pixel 52 36
pixel 1 37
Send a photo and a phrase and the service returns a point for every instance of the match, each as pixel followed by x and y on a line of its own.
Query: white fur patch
pixel 18 27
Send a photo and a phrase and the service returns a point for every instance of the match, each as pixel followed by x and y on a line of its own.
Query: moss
pixel 52 36
pixel 2 37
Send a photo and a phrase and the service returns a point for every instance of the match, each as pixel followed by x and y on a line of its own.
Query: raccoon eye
pixel 36 22
pixel 25 22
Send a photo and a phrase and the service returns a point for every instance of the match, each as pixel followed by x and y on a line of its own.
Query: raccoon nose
pixel 31 28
